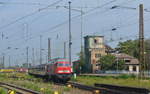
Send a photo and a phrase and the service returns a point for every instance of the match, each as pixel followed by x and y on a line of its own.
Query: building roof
pixel 122 55
pixel 126 57
pixel 91 36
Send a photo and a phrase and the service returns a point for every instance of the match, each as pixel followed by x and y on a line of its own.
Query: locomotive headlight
pixel 71 70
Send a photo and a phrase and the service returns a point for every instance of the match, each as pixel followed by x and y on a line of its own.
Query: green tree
pixel 80 67
pixel 147 50
pixel 129 47
pixel 110 62
pixel 119 64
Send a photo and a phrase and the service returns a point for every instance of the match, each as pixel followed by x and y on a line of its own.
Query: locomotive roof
pixel 55 59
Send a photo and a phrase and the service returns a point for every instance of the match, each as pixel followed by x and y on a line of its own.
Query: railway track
pixel 128 90
pixel 109 89
pixel 104 88
pixel 17 89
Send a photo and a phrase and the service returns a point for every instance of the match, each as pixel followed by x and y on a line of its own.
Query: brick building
pixel 94 48
pixel 131 63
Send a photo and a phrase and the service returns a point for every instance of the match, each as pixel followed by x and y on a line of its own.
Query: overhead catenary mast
pixel 9 61
pixel 33 57
pixel 81 31
pixel 27 53
pixel 141 41
pixel 64 49
pixel 49 49
pixel 70 42
pixel 40 49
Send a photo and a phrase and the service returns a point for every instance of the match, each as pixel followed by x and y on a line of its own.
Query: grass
pixel 23 80
pixel 2 91
pixel 37 84
pixel 124 80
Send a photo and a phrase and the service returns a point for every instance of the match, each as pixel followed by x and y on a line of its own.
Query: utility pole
pixel 46 59
pixel 70 42
pixel 40 49
pixel 81 31
pixel 117 65
pixel 49 49
pixel 0 62
pixel 9 62
pixel 33 58
pixel 141 41
pixel 2 35
pixel 3 61
pixel 65 50
pixel 27 56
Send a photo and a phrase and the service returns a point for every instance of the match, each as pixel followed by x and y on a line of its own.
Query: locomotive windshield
pixel 62 60
pixel 63 64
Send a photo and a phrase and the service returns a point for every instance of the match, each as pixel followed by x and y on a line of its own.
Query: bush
pixel 126 76
pixel 67 88
pixel 2 91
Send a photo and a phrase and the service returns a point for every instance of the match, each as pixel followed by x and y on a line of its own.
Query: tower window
pixel 95 41
pixel 97 55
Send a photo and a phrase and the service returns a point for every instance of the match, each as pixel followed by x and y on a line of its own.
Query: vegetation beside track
pixel 2 91
pixel 37 84
pixel 124 80
pixel 27 81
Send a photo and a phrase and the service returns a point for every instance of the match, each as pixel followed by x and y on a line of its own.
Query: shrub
pixel 67 88
pixel 2 91
pixel 126 76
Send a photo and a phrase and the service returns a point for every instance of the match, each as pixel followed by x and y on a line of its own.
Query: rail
pixel 95 90
pixel 109 89
pixel 126 89
pixel 17 89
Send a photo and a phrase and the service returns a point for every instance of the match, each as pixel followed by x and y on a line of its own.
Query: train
pixel 7 70
pixel 58 69
pixel 12 70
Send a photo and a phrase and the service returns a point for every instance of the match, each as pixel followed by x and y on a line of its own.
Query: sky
pixel 22 22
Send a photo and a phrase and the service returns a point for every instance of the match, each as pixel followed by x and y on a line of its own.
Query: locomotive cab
pixel 56 69
pixel 63 70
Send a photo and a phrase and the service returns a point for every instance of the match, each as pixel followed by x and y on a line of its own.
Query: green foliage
pixel 2 91
pixel 67 88
pixel 126 76
pixel 129 47
pixel 48 91
pixel 123 80
pixel 81 59
pixel 147 45
pixel 119 64
pixel 81 63
pixel 109 62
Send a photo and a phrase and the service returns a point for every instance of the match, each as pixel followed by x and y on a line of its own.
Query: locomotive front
pixel 63 70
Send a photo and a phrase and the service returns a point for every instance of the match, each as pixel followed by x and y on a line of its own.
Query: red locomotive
pixel 58 69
